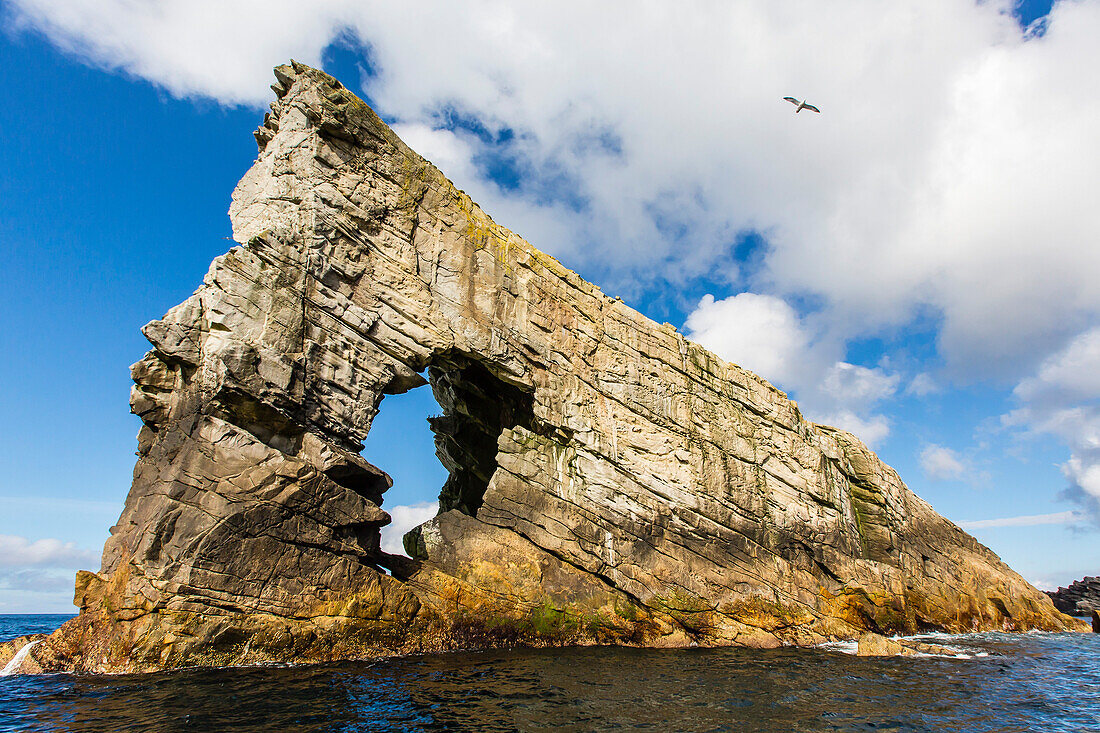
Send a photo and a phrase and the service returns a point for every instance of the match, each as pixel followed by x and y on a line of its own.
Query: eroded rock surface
pixel 1081 598
pixel 610 481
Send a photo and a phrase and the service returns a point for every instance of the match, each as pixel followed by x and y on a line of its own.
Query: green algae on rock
pixel 610 481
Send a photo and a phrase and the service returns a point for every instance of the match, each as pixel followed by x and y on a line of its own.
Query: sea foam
pixel 13 665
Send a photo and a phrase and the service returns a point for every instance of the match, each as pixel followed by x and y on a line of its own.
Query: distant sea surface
pixel 1010 682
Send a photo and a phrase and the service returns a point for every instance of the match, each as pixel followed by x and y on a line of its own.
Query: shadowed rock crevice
pixel 477 409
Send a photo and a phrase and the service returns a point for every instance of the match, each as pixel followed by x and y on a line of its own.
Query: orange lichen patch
pixel 867 610
pixel 768 615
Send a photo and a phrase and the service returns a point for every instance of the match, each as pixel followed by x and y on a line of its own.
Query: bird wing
pixel 792 100
pixel 811 108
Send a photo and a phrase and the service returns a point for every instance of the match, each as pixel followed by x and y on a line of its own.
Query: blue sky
pixel 961 348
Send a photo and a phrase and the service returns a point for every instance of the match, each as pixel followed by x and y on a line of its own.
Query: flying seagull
pixel 802 105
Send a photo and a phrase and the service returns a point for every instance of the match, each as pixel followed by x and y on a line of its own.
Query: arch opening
pixel 460 418
pixel 477 408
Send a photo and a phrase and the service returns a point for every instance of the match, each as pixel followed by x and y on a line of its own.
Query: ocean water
pixel 1005 682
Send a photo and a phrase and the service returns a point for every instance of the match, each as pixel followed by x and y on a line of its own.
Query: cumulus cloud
pixel 201 48
pixel 405 517
pixel 761 333
pixel 1063 399
pixel 940 463
pixel 871 429
pixel 450 152
pixel 19 552
pixel 858 386
pixel 765 335
pixel 1068 376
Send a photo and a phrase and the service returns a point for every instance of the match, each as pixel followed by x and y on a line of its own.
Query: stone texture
pixel 871 644
pixel 1081 598
pixel 9 649
pixel 610 481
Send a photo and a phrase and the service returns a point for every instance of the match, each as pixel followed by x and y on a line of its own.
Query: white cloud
pixel 940 463
pixel 1043 584
pixel 859 386
pixel 871 429
pixel 765 335
pixel 19 552
pixel 1059 579
pixel 447 150
pixel 758 332
pixel 405 517
pixel 36 580
pixel 1070 517
pixel 207 48
pixel 923 384
pixel 1063 399
pixel 1070 375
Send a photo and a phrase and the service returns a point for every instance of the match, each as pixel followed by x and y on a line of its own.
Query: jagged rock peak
pixel 610 481
pixel 1081 598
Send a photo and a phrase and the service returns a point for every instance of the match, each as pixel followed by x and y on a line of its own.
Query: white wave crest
pixel 13 665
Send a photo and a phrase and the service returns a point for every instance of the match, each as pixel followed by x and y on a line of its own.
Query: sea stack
pixel 610 481
pixel 1081 598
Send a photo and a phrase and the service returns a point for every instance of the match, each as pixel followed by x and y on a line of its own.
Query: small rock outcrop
pixel 1081 598
pixel 610 481
pixel 877 645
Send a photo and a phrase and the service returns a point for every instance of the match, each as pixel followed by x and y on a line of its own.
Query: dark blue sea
pixel 1004 682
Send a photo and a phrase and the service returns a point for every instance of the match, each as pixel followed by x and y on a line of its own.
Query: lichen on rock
pixel 610 481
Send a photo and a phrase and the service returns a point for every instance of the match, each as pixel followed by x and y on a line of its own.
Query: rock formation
pixel 877 645
pixel 610 481
pixel 1081 598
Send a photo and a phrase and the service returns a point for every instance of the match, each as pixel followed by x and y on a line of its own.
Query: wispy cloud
pixel 405 517
pixel 19 552
pixel 1063 399
pixel 940 463
pixel 1059 578
pixel 36 580
pixel 923 384
pixel 1031 520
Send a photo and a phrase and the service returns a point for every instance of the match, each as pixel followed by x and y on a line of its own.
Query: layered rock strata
pixel 1081 598
pixel 610 481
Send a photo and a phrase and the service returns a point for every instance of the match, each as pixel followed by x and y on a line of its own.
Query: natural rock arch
pixel 611 482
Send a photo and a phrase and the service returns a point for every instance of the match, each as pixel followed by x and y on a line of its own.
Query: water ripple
pixel 1048 682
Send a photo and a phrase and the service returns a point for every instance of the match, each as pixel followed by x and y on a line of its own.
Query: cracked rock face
pixel 610 481
pixel 1081 598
